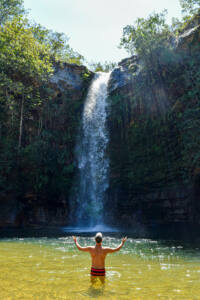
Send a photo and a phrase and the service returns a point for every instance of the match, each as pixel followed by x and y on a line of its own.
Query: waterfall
pixel 93 163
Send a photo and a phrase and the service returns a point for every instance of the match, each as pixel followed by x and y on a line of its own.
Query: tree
pixel 23 62
pixel 146 36
pixel 190 6
pixel 10 8
pixel 102 67
pixel 58 44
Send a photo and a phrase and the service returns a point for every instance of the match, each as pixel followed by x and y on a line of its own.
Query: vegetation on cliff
pixel 190 7
pixel 154 120
pixel 102 67
pixel 38 123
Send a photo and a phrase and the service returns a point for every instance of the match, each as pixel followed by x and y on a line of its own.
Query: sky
pixel 94 27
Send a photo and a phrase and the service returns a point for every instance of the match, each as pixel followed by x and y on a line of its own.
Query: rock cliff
pixel 154 158
pixel 53 154
pixel 151 178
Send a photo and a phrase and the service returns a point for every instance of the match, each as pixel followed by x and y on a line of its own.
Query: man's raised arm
pixel 86 249
pixel 111 250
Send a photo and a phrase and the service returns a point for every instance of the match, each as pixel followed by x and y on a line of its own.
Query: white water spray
pixel 93 163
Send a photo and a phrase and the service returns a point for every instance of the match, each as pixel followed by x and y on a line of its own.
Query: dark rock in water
pixel 10 208
pixel 28 212
pixel 164 206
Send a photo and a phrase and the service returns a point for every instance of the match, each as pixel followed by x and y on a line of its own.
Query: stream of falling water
pixel 93 163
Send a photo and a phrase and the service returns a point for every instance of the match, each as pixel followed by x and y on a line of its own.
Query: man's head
pixel 98 238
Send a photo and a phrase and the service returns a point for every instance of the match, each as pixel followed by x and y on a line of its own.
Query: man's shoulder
pixel 91 247
pixel 105 248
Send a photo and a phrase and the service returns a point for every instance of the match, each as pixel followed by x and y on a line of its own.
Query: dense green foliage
pixel 190 6
pixel 155 133
pixel 10 9
pixel 38 125
pixel 146 35
pixel 191 16
pixel 102 67
pixel 58 45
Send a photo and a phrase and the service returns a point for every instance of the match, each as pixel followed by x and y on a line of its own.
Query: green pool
pixel 52 268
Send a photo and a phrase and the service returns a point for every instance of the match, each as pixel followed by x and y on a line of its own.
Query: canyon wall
pixel 154 143
pixel 154 137
pixel 40 177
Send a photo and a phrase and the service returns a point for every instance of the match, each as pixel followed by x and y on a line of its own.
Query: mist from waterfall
pixel 93 164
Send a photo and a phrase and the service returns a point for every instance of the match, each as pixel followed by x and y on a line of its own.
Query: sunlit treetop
pixel 190 6
pixel 10 8
pixel 145 35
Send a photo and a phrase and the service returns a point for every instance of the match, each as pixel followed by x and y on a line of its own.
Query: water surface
pixel 52 268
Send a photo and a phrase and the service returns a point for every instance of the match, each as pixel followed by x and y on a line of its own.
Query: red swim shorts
pixel 98 272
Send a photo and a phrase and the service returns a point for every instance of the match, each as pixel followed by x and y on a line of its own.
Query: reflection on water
pixel 52 268
pixel 92 229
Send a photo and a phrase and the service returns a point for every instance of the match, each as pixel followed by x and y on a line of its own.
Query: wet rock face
pixel 187 40
pixel 175 204
pixel 69 82
pixel 168 205
pixel 123 74
pixel 71 79
pixel 69 75
pixel 10 207
pixel 16 213
pixel 164 206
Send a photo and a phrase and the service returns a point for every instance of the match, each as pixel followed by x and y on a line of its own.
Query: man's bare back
pixel 98 254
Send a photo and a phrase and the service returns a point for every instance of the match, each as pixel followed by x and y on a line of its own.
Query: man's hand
pixel 74 238
pixel 124 240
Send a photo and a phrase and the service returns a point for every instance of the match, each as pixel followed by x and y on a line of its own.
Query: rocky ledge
pixel 124 75
pixel 71 79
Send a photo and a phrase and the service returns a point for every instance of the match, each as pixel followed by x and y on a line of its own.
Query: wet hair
pixel 98 237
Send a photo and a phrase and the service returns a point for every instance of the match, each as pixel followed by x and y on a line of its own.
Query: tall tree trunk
pixel 40 126
pixel 21 122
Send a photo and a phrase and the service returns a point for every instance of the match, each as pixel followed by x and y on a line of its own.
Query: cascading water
pixel 91 154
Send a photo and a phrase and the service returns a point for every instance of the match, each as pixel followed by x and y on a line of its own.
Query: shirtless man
pixel 98 255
